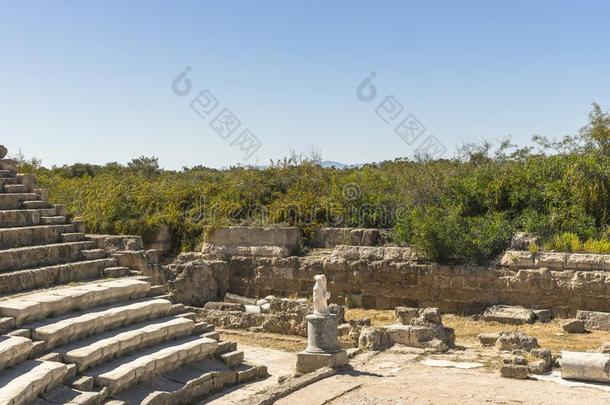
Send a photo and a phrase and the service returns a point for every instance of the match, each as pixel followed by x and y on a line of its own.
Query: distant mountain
pixel 327 164
pixel 336 165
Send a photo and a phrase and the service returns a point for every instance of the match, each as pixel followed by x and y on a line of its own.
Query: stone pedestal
pixel 323 349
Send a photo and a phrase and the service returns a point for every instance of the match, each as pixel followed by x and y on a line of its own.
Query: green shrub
pixel 446 235
pixel 453 210
pixel 597 246
pixel 565 242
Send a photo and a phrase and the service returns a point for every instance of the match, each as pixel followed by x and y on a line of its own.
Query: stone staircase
pixel 77 327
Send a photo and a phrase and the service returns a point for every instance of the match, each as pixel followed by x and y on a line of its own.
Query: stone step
pixel 123 372
pixel 14 350
pixel 9 180
pixel 34 204
pixel 70 327
pixel 33 235
pixel 92 254
pixel 21 217
pixel 14 201
pixel 16 188
pixel 45 255
pixel 7 173
pixel 116 272
pixel 189 383
pixel 27 179
pixel 56 220
pixel 48 212
pixel 233 359
pixel 23 383
pixel 98 349
pixel 73 237
pixel 66 395
pixel 8 164
pixel 40 305
pixel 45 277
pixel 42 194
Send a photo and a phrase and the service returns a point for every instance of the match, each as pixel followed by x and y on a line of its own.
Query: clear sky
pixel 87 81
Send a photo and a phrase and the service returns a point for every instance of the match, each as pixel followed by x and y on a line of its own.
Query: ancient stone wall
pixel 385 280
pixel 249 241
pixel 332 237
pixel 255 262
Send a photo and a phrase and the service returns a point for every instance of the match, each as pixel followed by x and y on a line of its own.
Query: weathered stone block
pixel 595 320
pixel 489 339
pixel 405 314
pixel 309 362
pixel 574 326
pixel 509 315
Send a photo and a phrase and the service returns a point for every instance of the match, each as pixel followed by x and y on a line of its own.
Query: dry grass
pixel 378 317
pixel 284 343
pixel 549 335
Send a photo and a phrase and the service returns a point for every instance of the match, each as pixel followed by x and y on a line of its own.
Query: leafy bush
pixel 445 236
pixel 452 210
pixel 597 246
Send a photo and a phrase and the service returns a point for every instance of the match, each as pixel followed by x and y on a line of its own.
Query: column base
pixel 308 362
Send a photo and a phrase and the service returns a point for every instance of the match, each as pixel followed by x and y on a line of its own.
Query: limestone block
pixel 13 350
pixel 517 259
pixel 509 341
pixel 400 334
pixel 95 350
pixel 514 371
pixel 224 306
pixel 373 339
pixel 309 362
pixel 585 366
pixel 23 383
pixel 543 315
pixel 574 326
pixel 41 305
pixel 232 359
pixel 595 320
pixel 131 370
pixel 489 339
pixel 551 260
pixel 404 314
pixel 509 315
pixel 237 299
pixel 289 237
pixel 100 319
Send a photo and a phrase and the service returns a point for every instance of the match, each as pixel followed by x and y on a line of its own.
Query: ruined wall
pixel 255 262
pixel 384 279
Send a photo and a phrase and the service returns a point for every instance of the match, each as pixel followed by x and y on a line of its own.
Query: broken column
pixel 323 349
pixel 585 366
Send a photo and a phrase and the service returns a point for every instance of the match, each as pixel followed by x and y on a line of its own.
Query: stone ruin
pixel 95 318
pixel 86 319
pixel 420 328
pixel 362 271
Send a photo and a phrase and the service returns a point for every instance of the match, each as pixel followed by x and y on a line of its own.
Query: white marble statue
pixel 320 296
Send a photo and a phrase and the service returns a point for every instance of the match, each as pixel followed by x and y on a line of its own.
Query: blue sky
pixel 91 81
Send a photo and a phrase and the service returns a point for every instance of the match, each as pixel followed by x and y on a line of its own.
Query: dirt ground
pixel 391 378
pixel 400 375
pixel 397 376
